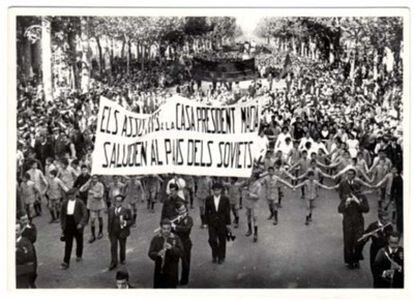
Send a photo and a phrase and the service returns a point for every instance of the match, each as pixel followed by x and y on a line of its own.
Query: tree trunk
pixel 123 49
pixel 86 65
pixel 26 61
pixel 127 43
pixel 100 58
pixel 142 57
pixel 72 51
pixel 46 59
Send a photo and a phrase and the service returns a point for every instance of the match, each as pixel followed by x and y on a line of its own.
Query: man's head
pixel 118 200
pixel 33 165
pixel 350 174
pixel 394 241
pixel 26 177
pixel 49 161
pixel 311 175
pixel 115 178
pixel 122 279
pixel 95 178
pixel 18 230
pixel 271 170
pixel 165 227
pixel 180 208
pixel 72 194
pixel 217 188
pixel 65 162
pixel 173 190
pixel 296 144
pixel 24 220
pixel 84 169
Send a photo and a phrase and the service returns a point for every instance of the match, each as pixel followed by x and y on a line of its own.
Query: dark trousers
pixel 185 262
pixel 114 239
pixel 352 249
pixel 71 232
pixel 217 241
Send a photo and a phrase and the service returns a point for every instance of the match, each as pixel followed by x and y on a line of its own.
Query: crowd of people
pixel 323 126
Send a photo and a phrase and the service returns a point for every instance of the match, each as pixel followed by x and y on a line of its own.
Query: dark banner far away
pixel 229 71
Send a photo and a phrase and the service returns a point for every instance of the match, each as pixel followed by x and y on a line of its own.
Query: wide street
pixel 289 255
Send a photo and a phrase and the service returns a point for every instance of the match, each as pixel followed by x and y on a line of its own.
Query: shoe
pixel 134 225
pixel 274 222
pixel 51 221
pixel 220 261
pixel 78 259
pixel 123 262
pixel 350 266
pixel 92 239
pixel 254 238
pixel 64 266
pixel 100 235
pixel 214 260
pixel 270 217
pixel 111 267
pixel 248 233
pixel 236 225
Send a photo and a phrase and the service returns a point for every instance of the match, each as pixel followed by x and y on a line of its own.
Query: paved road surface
pixel 289 255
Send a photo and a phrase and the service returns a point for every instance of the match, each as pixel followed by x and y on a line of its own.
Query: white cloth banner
pixel 182 136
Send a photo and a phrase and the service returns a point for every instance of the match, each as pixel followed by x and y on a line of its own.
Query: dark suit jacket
pixel 30 232
pixel 26 261
pixel 80 214
pixel 114 225
pixel 382 263
pixel 219 218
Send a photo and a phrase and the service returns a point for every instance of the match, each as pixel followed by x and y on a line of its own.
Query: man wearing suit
pixel 26 261
pixel 29 230
pixel 166 250
pixel 389 264
pixel 218 220
pixel 73 218
pixel 352 209
pixel 168 209
pixel 378 240
pixel 119 221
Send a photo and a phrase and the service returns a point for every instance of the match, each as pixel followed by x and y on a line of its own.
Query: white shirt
pixel 216 202
pixel 71 207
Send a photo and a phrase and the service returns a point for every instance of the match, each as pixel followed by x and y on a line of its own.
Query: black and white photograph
pixel 208 148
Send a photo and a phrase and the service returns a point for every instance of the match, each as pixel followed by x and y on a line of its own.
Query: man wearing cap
pixel 218 220
pixel 119 221
pixel 73 218
pixel 182 228
pixel 379 232
pixel 165 250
